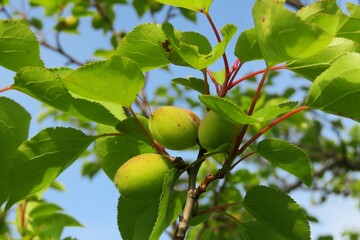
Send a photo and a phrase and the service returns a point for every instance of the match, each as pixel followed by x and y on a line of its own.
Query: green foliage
pixel 148 219
pixel 109 101
pixel 288 157
pixel 194 48
pixel 337 87
pixel 116 80
pixel 43 219
pixel 247 46
pixel 19 46
pixel 36 82
pixel 280 40
pixel 38 161
pixel 14 128
pixel 227 109
pixel 144 45
pixel 202 5
pixel 277 211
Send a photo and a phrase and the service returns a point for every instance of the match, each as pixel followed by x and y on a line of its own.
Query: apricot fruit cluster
pixel 142 176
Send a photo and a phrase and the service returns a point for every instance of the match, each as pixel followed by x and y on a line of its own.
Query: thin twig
pixel 233 84
pixel 268 127
pixel 226 63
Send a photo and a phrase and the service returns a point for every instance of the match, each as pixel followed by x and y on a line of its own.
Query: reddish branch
pixel 253 74
pixel 226 63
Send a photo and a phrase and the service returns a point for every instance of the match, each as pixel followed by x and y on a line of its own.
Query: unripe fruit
pixel 71 22
pixel 142 176
pixel 215 131
pixel 174 128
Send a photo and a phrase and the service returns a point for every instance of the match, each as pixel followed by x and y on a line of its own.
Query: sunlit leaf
pixel 18 46
pixel 271 111
pixel 247 46
pixel 277 30
pixel 194 48
pixel 227 109
pixel 313 66
pixel 144 45
pixel 189 4
pixel 337 90
pixel 47 87
pixel 350 29
pixel 116 80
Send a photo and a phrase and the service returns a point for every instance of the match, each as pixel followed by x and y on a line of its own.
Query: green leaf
pixel 247 46
pixel 277 30
pixel 322 13
pixel 319 7
pixel 337 90
pixel 90 169
pixel 116 80
pixel 38 161
pixel 288 157
pixel 350 29
pixel 255 230
pixel 44 209
pixel 192 83
pixel 271 111
pixel 112 152
pixel 51 7
pixel 52 226
pixel 200 5
pixel 279 211
pixel 144 45
pixel 18 46
pixel 14 129
pixel 194 48
pixel 47 87
pixel 136 219
pixel 131 127
pixel 313 66
pixel 219 76
pixel 170 205
pixel 227 109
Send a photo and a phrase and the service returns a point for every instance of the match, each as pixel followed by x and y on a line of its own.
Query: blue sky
pixel 94 202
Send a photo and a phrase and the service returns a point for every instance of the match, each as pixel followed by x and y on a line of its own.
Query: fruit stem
pixel 5 89
pixel 241 159
pixel 117 134
pixel 272 124
pixel 160 149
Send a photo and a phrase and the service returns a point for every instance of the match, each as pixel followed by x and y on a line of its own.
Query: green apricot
pixel 174 128
pixel 215 131
pixel 142 176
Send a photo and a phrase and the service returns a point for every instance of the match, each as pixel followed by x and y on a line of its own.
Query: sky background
pixel 94 202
